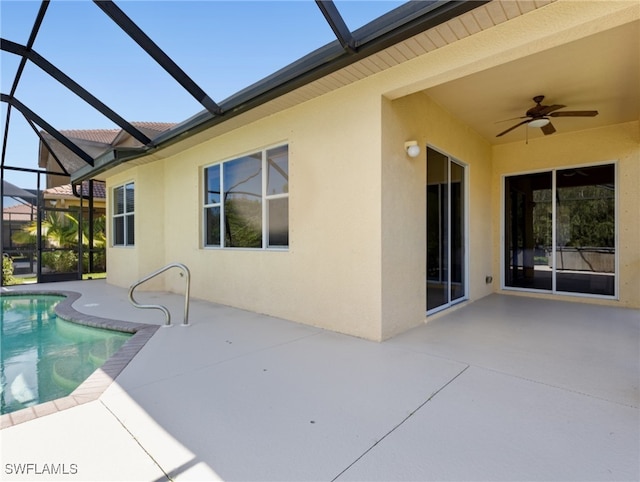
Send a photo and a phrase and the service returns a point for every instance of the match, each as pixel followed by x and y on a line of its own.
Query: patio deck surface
pixel 506 388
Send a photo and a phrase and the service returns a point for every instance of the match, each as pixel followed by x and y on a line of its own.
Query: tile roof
pixel 99 190
pixel 107 136
pixel 94 142
pixel 154 126
pixel 19 212
pixel 103 136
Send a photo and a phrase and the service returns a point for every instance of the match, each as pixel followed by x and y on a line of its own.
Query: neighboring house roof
pixel 109 137
pixel 19 212
pixel 94 142
pixel 102 136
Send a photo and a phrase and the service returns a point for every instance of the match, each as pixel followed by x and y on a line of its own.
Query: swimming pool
pixel 43 357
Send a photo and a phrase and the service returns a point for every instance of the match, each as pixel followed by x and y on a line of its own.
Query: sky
pixel 224 46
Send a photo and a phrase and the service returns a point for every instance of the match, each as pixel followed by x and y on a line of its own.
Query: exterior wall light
pixel 412 148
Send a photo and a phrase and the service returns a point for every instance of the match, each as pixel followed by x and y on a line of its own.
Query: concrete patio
pixel 506 388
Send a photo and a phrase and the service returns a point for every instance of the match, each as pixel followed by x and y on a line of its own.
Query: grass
pixel 34 279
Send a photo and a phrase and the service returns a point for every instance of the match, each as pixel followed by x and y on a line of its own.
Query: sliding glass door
pixel 560 231
pixel 446 244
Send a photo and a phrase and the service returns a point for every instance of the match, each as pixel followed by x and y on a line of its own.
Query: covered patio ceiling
pixel 598 72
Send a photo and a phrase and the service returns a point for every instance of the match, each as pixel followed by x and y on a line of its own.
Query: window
pixel 246 201
pixel 123 215
pixel 560 231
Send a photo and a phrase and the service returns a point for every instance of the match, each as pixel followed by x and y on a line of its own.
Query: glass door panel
pixel 560 231
pixel 437 228
pixel 528 231
pixel 446 250
pixel 457 256
pixel 585 225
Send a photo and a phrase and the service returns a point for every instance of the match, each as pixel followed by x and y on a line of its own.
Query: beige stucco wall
pixel 330 275
pixel 417 117
pixel 356 261
pixel 620 144
pixel 127 264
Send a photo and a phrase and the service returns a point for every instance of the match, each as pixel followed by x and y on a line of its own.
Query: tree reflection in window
pixel 246 201
pixel 243 202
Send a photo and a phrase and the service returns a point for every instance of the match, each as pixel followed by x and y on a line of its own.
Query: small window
pixel 246 201
pixel 123 215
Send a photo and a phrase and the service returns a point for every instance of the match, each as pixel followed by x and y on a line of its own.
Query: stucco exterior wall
pixel 356 257
pixel 620 144
pixel 330 275
pixel 417 117
pixel 128 264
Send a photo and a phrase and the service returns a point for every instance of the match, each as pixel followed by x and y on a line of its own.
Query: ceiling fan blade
pixel 548 129
pixel 547 109
pixel 512 119
pixel 513 127
pixel 575 113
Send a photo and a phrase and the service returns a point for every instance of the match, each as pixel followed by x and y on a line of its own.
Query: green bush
pixel 99 262
pixel 7 271
pixel 60 261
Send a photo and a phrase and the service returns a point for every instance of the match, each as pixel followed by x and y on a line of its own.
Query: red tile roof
pixel 99 190
pixel 19 212
pixel 104 136
pixel 107 136
pixel 155 126
pixel 101 139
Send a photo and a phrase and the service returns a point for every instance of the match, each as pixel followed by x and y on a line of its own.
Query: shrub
pixel 7 270
pixel 60 261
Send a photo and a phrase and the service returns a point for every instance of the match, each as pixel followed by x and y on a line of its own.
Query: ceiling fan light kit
pixel 539 116
pixel 539 122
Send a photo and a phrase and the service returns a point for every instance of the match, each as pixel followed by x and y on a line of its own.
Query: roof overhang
pixel 108 160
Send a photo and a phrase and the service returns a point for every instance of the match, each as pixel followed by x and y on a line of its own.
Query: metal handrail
pixel 167 315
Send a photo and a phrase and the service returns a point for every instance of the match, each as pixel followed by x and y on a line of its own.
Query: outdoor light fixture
pixel 412 148
pixel 543 121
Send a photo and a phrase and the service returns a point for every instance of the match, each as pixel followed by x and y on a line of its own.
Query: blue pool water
pixel 44 357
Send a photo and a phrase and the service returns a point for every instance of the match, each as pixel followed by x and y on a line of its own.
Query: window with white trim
pixel 246 201
pixel 123 215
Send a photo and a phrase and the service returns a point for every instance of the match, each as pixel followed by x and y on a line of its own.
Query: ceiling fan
pixel 538 116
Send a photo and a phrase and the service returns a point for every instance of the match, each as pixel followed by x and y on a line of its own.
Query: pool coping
pixel 94 386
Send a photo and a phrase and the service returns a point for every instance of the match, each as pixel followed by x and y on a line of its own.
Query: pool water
pixel 44 357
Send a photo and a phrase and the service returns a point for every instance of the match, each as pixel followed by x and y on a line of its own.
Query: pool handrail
pixel 162 308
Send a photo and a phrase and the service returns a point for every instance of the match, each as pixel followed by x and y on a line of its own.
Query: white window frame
pixel 124 215
pixel 265 198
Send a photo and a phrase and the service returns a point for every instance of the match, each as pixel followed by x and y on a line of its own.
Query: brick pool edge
pixel 102 377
